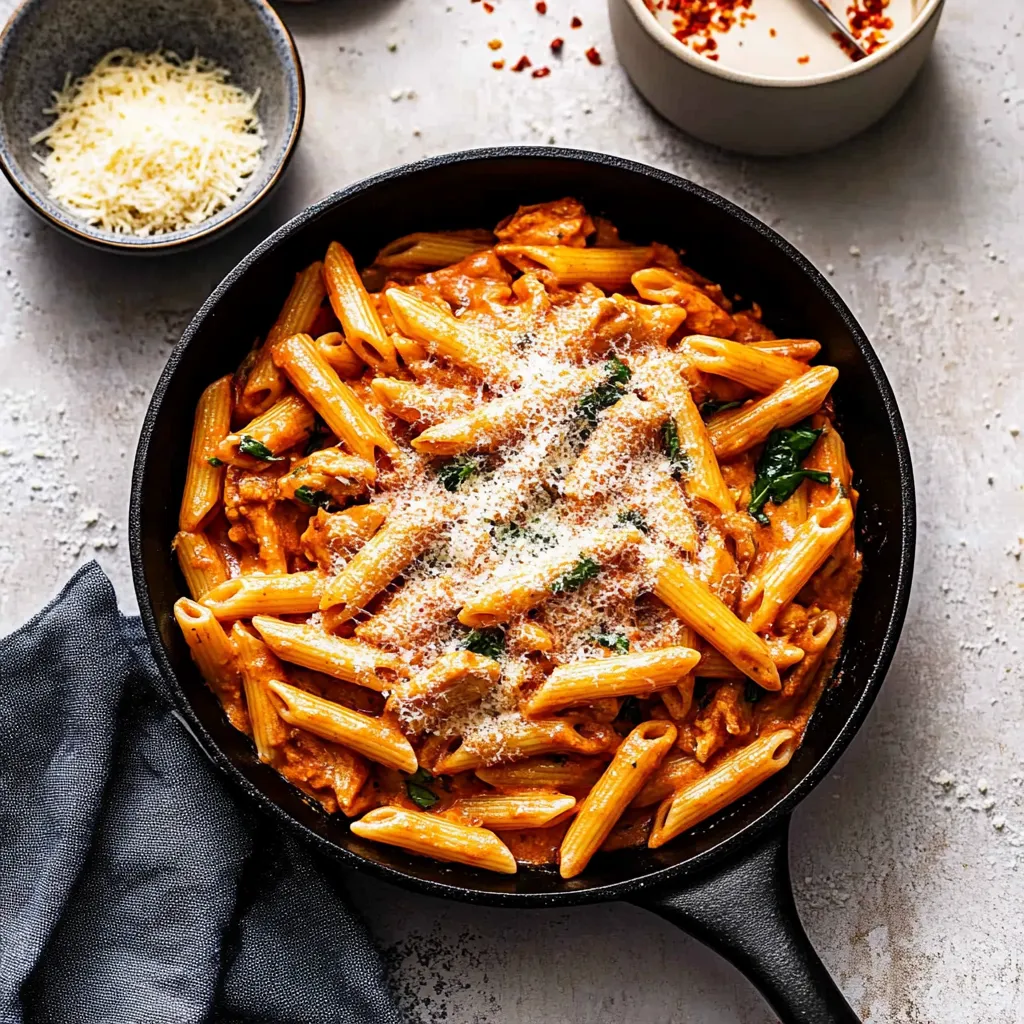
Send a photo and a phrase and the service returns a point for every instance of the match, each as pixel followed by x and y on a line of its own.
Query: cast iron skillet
pixel 727 881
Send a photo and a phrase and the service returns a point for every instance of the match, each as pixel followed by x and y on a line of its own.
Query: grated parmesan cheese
pixel 147 143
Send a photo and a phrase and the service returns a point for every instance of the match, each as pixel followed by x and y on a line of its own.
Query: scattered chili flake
pixel 557 44
pixel 541 72
pixel 868 24
pixel 495 44
pixel 576 23
pixel 497 64
pixel 489 8
pixel 542 8
pixel 805 59
pixel 772 33
pixel 593 56
pixel 696 21
pixel 522 64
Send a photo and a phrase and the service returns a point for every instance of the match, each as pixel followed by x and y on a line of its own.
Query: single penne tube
pixel 706 614
pixel 384 556
pixel 424 250
pixel 557 772
pixel 607 268
pixel 789 568
pixel 678 769
pixel 625 430
pixel 258 667
pixel 339 356
pixel 514 593
pixel 449 338
pixel 582 682
pixel 413 616
pixel 314 649
pixel 201 562
pixel 520 810
pixel 337 404
pixel 294 593
pixel 286 423
pixel 353 306
pixel 523 738
pixel 733 777
pixel 526 635
pixel 374 738
pixel 633 764
pixel 804 349
pixel 430 836
pixel 736 430
pixel 416 403
pixel 757 370
pixel 215 657
pixel 204 480
pixel 703 475
pixel 829 456
pixel 265 383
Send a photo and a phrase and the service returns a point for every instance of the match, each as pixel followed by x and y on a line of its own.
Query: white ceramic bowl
pixel 766 115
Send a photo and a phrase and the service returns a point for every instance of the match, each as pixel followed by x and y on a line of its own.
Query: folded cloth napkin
pixel 133 887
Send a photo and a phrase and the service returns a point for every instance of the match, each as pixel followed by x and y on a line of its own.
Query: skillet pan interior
pixel 474 190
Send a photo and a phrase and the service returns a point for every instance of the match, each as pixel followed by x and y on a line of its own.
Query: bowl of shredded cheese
pixel 147 128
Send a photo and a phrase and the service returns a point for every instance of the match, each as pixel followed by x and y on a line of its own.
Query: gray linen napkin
pixel 133 887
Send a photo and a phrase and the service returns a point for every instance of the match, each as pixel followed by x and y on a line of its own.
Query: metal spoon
pixel 841 27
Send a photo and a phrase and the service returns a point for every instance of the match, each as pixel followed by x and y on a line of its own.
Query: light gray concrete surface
pixel 908 860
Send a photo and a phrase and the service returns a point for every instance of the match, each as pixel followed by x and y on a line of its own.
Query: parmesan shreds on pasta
pixel 148 143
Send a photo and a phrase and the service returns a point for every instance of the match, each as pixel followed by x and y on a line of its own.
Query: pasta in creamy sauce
pixel 520 546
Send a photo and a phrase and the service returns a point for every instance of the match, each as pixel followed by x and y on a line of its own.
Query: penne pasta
pixel 258 667
pixel 335 402
pixel 544 772
pixel 737 430
pixel 204 477
pixel 424 250
pixel 733 777
pixel 520 810
pixel 374 738
pixel 755 369
pixel 265 384
pixel 418 404
pixel 804 349
pixel 633 764
pixel 607 268
pixel 352 305
pixel 439 838
pixel 583 682
pixel 295 593
pixel 201 563
pixel 285 424
pixel 338 355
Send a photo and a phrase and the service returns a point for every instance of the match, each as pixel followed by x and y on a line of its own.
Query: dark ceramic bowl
pixel 46 39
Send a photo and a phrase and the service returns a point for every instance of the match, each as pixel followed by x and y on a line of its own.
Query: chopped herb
pixel 585 569
pixel 215 462
pixel 524 339
pixel 416 787
pixel 630 517
pixel 608 392
pixel 629 711
pixel 778 468
pixel 488 642
pixel 710 407
pixel 633 763
pixel 613 641
pixel 752 692
pixel 678 459
pixel 453 473
pixel 257 449
pixel 315 499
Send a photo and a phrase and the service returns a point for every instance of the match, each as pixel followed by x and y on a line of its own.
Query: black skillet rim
pixel 664 877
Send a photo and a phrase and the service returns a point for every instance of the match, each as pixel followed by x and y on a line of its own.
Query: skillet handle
pixel 744 910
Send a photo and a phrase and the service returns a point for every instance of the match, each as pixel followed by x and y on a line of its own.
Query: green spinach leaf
pixel 778 469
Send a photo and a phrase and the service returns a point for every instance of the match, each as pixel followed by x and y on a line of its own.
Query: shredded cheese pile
pixel 147 143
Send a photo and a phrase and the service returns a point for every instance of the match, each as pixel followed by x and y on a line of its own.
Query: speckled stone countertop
pixel 909 859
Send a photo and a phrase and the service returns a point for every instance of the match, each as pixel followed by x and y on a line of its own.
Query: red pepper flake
pixel 497 64
pixel 522 64
pixel 557 44
pixel 541 7
pixel 495 44
pixel 805 59
pixel 696 21
pixel 868 23
pixel 772 33
pixel 593 56
pixel 576 23
pixel 541 73
pixel 489 8
pixel 712 56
